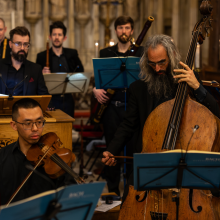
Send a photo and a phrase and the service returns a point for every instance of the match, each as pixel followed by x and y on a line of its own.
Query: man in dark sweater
pixel 159 79
pixel 60 60
pixel 28 121
pixel 114 113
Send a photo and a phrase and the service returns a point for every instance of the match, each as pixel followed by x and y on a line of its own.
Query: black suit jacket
pixel 112 51
pixel 34 83
pixel 140 105
pixel 71 56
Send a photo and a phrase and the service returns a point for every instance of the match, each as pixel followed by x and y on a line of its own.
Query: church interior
pixel 90 28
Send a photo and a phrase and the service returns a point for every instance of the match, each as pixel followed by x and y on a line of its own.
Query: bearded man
pixel 159 80
pixel 18 75
pixel 61 59
pixel 114 113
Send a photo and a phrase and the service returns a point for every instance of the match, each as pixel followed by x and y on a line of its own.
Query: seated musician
pixel 60 60
pixel 4 42
pixel 28 121
pixel 159 79
pixel 20 76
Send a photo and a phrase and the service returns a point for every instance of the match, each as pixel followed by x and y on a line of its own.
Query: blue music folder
pixel 160 170
pixel 115 72
pixel 78 202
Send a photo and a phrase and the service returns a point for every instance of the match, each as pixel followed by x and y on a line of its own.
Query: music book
pixel 62 83
pixel 78 202
pixel 160 170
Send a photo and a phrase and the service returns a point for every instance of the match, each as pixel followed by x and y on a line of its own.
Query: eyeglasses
pixel 29 125
pixel 160 64
pixel 19 45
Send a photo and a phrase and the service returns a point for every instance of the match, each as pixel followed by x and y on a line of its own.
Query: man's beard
pixel 57 46
pixel 19 57
pixel 161 86
pixel 123 40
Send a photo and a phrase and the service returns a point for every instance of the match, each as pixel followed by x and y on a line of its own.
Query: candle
pixel 96 49
pixel 197 57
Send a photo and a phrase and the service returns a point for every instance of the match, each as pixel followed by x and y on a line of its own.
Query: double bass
pixel 172 126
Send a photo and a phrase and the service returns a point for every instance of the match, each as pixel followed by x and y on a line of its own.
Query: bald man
pixel 4 50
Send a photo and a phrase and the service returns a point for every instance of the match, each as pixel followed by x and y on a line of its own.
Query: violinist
pixel 160 75
pixel 28 121
pixel 113 116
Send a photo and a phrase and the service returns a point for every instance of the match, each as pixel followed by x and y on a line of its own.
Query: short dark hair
pixel 122 20
pixel 58 24
pixel 19 30
pixel 23 103
pixel 3 21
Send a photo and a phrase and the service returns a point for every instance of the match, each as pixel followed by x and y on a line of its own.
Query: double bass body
pixel 193 204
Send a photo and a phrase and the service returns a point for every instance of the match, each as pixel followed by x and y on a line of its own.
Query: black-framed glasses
pixel 26 45
pixel 28 125
pixel 160 64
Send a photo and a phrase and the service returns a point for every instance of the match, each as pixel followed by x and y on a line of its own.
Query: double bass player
pixel 160 75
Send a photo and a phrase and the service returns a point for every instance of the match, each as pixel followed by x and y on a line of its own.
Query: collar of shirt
pixel 9 62
pixel 56 55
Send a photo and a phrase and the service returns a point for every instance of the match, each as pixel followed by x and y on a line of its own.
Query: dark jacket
pixel 71 56
pixel 112 51
pixel 34 83
pixel 140 105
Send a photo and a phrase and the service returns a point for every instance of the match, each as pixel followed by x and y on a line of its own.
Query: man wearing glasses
pixel 28 121
pixel 160 75
pixel 18 75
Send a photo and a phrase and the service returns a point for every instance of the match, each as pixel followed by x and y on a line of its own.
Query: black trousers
pixel 111 120
pixel 64 103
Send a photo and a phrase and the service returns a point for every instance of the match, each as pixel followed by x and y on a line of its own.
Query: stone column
pixel 175 21
pixel 96 29
pixel 32 14
pixel 160 16
pixel 71 23
pixel 149 9
pixel 46 21
pixel 120 8
pixel 58 10
pixel 19 15
pixel 193 14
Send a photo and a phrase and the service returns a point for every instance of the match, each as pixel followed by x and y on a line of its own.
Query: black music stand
pixel 177 169
pixel 73 202
pixel 116 73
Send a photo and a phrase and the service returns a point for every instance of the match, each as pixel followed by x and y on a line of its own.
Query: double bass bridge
pixel 158 216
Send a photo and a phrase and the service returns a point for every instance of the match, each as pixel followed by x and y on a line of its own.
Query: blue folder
pixel 109 74
pixel 160 170
pixel 78 202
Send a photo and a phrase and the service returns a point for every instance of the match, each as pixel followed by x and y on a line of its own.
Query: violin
pixel 55 159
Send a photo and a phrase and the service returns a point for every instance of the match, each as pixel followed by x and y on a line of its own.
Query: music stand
pixel 116 73
pixel 78 202
pixel 177 169
pixel 6 103
pixel 62 83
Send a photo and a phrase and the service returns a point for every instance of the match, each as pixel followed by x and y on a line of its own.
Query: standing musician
pixel 4 42
pixel 60 60
pixel 20 76
pixel 28 121
pixel 113 116
pixel 159 79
